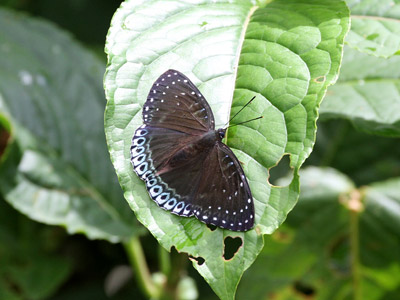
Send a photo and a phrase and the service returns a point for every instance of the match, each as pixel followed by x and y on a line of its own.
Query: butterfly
pixel 181 158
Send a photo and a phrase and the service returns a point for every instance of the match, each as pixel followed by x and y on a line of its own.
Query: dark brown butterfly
pixel 180 156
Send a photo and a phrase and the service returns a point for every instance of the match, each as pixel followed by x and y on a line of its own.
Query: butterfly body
pixel 180 156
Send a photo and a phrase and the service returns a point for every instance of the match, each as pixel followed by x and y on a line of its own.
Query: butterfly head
pixel 221 133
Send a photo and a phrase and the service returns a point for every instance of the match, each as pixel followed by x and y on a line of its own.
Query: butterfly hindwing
pixel 169 186
pixel 224 198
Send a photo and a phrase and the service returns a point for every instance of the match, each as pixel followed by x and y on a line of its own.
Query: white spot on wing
pixel 170 204
pixel 178 208
pixel 155 190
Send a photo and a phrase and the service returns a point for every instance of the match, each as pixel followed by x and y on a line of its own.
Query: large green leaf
pixel 56 169
pixel 367 94
pixel 285 53
pixel 375 27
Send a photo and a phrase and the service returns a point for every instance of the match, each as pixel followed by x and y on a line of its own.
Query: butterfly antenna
pixel 240 111
pixel 260 117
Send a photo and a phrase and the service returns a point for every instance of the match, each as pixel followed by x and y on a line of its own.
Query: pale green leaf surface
pixel 380 8
pixel 367 93
pixel 375 36
pixel 286 54
pixel 57 170
pixel 375 27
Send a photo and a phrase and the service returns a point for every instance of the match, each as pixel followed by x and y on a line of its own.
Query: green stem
pixel 137 259
pixel 355 254
pixel 164 260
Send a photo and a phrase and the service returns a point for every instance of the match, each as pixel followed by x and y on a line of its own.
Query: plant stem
pixel 137 259
pixel 355 253
pixel 164 260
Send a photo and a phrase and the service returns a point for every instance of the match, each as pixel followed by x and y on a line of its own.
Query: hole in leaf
pixel 303 288
pixel 231 246
pixel 320 79
pixel 281 174
pixel 211 227
pixel 199 259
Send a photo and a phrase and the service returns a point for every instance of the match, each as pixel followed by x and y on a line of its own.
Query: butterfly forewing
pixel 186 168
pixel 174 102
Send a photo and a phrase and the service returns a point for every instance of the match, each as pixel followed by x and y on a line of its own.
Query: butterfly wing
pixel 174 102
pixel 224 198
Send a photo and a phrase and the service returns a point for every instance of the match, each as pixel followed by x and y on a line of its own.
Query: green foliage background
pixel 341 241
